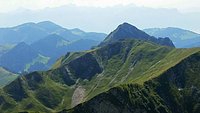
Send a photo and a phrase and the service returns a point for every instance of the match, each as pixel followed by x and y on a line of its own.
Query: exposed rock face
pixel 128 31
pixel 78 96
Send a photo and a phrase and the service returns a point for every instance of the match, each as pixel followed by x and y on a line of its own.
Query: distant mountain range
pixel 180 37
pixel 23 58
pixel 5 48
pixel 32 32
pixel 36 46
pixel 49 41
pixel 55 46
pixel 126 75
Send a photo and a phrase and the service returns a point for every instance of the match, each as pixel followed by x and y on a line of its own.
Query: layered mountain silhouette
pixel 180 37
pixel 32 32
pixel 41 54
pixel 129 75
pixel 43 43
pixel 22 57
pixel 51 46
pixel 55 46
pixel 128 31
pixel 5 48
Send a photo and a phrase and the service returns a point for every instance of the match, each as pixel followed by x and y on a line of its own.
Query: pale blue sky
pixel 181 5
pixel 103 15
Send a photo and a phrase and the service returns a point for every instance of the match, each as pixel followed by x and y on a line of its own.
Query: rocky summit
pixel 128 31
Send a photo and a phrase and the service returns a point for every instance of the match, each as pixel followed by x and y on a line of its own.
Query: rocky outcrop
pixel 78 96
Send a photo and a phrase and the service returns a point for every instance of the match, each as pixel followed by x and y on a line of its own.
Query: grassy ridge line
pixel 49 88
pixel 6 77
pixel 158 95
pixel 176 56
pixel 115 65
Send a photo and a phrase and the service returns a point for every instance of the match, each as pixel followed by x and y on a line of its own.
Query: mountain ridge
pixel 117 64
pixel 181 38
pixel 48 39
pixel 127 31
pixel 110 76
pixel 154 96
pixel 32 32
pixel 6 76
pixel 19 56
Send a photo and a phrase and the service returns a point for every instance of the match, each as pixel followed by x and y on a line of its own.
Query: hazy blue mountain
pixel 28 32
pixel 51 46
pixel 128 31
pixel 50 26
pixel 32 32
pixel 180 37
pixel 89 35
pixel 23 58
pixel 195 44
pixel 55 46
pixel 5 48
pixel 81 45
pixel 46 39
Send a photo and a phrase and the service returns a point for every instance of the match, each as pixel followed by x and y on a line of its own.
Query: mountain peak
pixel 127 27
pixel 125 24
pixel 46 22
pixel 128 31
pixel 49 26
pixel 77 29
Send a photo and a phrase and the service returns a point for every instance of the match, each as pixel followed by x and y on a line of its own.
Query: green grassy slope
pixel 174 91
pixel 6 77
pixel 88 74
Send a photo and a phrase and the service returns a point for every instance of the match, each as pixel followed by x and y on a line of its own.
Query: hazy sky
pixel 103 15
pixel 182 5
